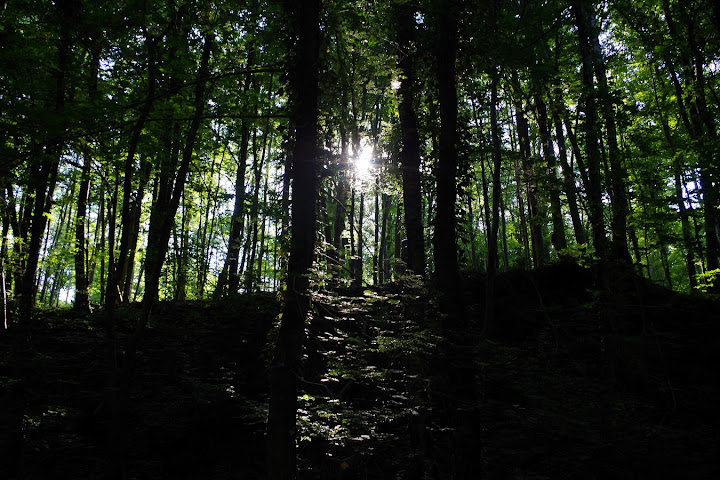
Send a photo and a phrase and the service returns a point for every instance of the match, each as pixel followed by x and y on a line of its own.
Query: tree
pixel 445 239
pixel 591 127
pixel 286 360
pixel 410 150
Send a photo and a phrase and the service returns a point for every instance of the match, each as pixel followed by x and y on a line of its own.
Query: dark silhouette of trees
pixel 163 152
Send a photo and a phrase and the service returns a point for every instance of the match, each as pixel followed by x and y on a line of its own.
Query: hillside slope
pixel 590 373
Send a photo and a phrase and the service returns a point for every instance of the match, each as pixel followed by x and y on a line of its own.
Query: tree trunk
pixel 493 226
pixel 82 297
pixel 359 267
pixel 128 224
pixel 445 239
pixel 558 232
pixel 618 196
pixel 383 256
pixel 353 259
pixel 127 272
pixel 593 187
pixel 281 429
pixel 410 150
pixel 100 247
pixel 3 256
pixel 531 187
pixel 230 276
pixel 569 182
pixel 377 230
pixel 45 172
pixel 259 282
pixel 208 224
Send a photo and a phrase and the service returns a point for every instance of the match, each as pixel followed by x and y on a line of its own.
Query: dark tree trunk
pixel 484 186
pixel 493 226
pixel 397 243
pixel 118 274
pixel 82 296
pixel 259 281
pixel 254 215
pixel 376 246
pixel 341 197
pixel 558 232
pixel 531 187
pixel 133 227
pixel 12 217
pixel 410 150
pixel 45 172
pixel 229 280
pixel 281 429
pixel 3 256
pixel 383 255
pixel 445 239
pixel 206 231
pixel 353 252
pixel 359 265
pixel 100 247
pixel 569 182
pixel 618 196
pixel 170 192
pixel 593 186
pixel 82 277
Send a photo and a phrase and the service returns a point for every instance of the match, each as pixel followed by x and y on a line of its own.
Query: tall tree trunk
pixel 383 256
pixel 484 186
pixel 685 225
pixel 397 243
pixel 558 239
pixel 618 196
pixel 206 231
pixel 82 279
pixel 410 150
pixel 230 276
pixel 569 182
pixel 359 268
pixel 181 253
pixel 353 259
pixel 281 429
pixel 377 230
pixel 82 297
pixel 118 274
pixel 445 238
pixel 3 256
pixel 530 183
pixel 342 186
pixel 170 192
pixel 259 282
pixel 12 217
pixel 493 226
pixel 128 268
pixel 45 171
pixel 593 186
pixel 100 247
pixel 253 215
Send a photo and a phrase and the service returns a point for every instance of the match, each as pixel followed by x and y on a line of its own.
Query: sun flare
pixel 363 163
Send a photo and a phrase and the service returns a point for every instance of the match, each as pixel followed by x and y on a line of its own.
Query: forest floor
pixel 590 373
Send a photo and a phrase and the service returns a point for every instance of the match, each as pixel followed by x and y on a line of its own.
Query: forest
pixel 359 238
